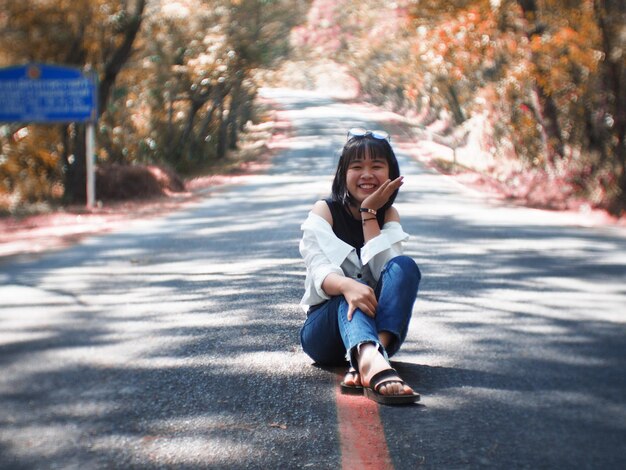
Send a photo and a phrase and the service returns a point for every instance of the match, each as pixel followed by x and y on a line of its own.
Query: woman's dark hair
pixel 360 148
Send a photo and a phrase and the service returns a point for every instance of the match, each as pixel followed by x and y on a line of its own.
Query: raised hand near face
pixel 379 198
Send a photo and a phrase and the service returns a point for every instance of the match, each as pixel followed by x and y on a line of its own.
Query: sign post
pixel 90 148
pixel 41 93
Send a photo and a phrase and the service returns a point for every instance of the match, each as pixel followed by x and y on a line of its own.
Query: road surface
pixel 174 343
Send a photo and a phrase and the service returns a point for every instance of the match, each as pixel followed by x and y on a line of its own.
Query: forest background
pixel 531 93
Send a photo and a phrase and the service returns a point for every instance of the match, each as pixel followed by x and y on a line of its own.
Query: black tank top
pixel 347 228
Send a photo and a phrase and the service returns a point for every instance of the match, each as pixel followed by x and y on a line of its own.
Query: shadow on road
pixel 175 343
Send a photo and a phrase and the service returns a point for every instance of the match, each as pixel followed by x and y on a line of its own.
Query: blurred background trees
pixel 175 82
pixel 539 86
pixel 542 83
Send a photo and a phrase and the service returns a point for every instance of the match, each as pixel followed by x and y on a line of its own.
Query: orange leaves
pixel 452 54
pixel 564 59
pixel 29 171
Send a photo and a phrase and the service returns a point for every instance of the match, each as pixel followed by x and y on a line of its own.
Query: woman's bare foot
pixel 371 362
pixel 351 384
pixel 352 378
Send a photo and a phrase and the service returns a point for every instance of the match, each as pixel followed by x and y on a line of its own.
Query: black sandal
pixel 351 389
pixel 385 377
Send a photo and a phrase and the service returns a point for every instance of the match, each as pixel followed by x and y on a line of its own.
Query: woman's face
pixel 365 176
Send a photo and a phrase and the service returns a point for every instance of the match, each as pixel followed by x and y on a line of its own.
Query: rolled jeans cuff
pixel 352 353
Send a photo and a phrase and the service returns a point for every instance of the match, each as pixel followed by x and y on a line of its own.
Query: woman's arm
pixel 375 201
pixel 357 295
pixel 379 250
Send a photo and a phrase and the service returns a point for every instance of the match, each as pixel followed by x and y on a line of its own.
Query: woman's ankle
pixel 370 360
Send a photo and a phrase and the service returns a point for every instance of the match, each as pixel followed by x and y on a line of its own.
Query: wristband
pixel 364 209
pixel 365 220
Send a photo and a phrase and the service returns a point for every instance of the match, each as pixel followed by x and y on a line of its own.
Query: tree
pixel 176 78
pixel 96 35
pixel 609 126
pixel 549 75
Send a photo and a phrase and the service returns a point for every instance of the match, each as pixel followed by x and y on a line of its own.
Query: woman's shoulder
pixel 392 215
pixel 321 208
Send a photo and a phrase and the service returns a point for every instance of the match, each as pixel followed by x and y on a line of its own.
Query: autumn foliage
pixel 539 87
pixel 543 82
pixel 176 84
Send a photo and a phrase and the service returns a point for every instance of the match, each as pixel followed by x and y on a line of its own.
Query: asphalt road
pixel 174 343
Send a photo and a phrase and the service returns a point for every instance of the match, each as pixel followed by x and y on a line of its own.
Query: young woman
pixel 359 288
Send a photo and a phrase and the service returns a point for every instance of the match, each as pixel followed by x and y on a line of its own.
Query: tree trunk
pixel 75 176
pixel 233 115
pixel 247 111
pixel 548 111
pixel 222 131
pixel 550 123
pixel 222 121
pixel 205 124
pixel 610 17
pixel 170 123
pixel 118 58
pixel 76 166
pixel 184 144
pixel 453 100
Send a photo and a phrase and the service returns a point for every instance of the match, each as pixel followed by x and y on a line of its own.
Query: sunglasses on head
pixel 361 132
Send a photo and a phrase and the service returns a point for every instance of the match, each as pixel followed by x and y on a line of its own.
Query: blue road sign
pixel 46 93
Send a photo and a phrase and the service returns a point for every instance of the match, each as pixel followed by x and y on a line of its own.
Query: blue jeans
pixel 327 335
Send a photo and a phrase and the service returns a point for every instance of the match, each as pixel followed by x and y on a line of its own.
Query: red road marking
pixel 361 434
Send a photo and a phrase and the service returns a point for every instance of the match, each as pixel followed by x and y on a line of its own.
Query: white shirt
pixel 325 253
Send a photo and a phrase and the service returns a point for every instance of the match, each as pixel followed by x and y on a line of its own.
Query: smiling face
pixel 365 175
pixel 365 163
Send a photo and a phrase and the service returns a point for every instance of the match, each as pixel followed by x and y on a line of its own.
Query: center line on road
pixel 361 433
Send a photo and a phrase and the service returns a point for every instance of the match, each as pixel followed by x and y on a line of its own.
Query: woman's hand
pixel 379 198
pixel 359 296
